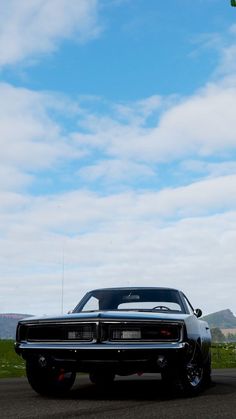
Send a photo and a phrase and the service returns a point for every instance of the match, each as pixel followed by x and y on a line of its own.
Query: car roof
pixel 134 288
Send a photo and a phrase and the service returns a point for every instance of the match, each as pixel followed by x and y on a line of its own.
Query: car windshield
pixel 140 299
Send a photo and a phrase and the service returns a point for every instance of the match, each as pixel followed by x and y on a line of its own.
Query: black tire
pixel 49 381
pixel 102 379
pixel 189 379
pixel 207 382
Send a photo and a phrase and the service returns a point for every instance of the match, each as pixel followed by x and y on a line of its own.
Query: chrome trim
pixel 102 346
pixel 104 321
pixel 98 323
pixel 56 323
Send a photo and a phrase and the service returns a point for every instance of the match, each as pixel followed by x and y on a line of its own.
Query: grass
pixel 12 365
pixel 223 355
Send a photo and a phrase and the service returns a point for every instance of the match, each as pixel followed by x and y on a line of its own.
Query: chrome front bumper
pixel 25 346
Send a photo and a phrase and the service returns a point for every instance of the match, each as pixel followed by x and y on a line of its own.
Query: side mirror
pixel 198 312
pixel 70 312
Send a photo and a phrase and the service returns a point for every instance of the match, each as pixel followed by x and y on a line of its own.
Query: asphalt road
pixel 130 397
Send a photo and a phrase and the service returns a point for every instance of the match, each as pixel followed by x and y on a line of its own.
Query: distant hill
pixel 223 319
pixel 8 323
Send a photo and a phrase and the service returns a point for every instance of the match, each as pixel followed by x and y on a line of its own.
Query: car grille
pixel 58 332
pixel 101 332
pixel 143 332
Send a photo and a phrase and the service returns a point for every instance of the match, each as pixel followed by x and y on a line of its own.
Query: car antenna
pixel 62 276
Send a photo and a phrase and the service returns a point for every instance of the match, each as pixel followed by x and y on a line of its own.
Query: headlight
pixel 81 333
pixel 119 334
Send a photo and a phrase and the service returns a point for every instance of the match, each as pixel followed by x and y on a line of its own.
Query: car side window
pixel 92 304
pixel 188 305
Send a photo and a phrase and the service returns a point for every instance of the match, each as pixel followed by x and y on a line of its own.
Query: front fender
pixel 199 331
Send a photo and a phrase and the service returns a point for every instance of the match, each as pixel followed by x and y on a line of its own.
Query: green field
pixel 224 355
pixel 11 365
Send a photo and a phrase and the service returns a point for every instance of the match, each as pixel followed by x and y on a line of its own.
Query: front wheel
pixel 190 379
pixel 49 381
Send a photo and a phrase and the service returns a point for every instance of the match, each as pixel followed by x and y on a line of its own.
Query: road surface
pixel 129 397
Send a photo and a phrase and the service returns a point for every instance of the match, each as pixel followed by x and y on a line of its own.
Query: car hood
pixel 110 315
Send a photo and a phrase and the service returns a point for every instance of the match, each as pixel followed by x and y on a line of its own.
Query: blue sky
pixel 143 48
pixel 118 146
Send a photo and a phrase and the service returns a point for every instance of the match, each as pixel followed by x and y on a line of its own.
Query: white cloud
pixel 201 125
pixel 115 170
pixel 122 248
pixel 225 44
pixel 139 111
pixel 80 211
pixel 11 178
pixel 30 138
pixel 210 169
pixel 34 27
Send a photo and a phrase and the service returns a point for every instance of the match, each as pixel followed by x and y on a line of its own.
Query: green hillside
pixel 223 319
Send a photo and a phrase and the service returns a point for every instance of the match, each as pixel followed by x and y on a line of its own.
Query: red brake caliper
pixel 61 375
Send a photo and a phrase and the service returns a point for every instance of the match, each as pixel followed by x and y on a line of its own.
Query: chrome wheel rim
pixel 194 374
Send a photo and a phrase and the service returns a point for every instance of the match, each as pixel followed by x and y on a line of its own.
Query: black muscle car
pixel 118 331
